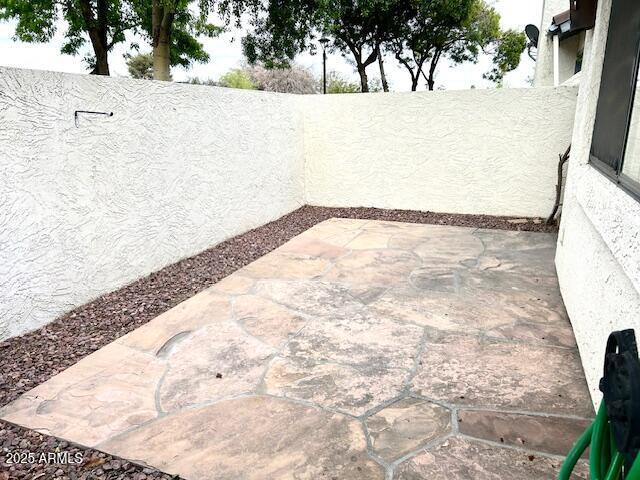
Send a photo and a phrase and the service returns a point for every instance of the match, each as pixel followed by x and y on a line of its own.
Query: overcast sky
pixel 225 52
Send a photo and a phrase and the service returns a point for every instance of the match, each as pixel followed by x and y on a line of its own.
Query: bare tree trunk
pixel 364 81
pixel 162 21
pixel 161 59
pixel 430 82
pixel 97 30
pixel 561 161
pixel 383 77
pixel 432 70
pixel 361 65
pixel 102 62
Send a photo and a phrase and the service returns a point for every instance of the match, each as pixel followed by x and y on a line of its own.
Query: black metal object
pixel 533 34
pixel 75 114
pixel 324 41
pixel 621 388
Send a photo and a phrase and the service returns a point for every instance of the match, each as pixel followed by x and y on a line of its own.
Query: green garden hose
pixel 614 435
pixel 605 461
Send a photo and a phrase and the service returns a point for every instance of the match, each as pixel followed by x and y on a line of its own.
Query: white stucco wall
pixel 476 151
pixel 544 61
pixel 598 256
pixel 177 169
pixel 568 48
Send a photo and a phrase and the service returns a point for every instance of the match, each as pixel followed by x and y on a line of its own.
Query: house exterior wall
pixel 544 61
pixel 476 151
pixel 598 255
pixel 568 48
pixel 89 208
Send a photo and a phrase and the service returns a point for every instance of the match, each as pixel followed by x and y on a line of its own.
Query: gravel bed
pixel 33 358
pixel 91 464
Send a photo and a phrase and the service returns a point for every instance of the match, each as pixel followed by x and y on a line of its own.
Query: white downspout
pixel 556 60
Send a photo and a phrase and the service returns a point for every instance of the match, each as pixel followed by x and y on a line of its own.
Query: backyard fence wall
pixel 476 151
pixel 91 203
pixel 86 208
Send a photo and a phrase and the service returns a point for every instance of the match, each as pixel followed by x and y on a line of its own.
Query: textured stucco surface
pixel 544 60
pixel 598 255
pixel 88 208
pixel 568 48
pixel 475 151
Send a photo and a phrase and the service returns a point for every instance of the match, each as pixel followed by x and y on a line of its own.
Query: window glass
pixel 631 162
pixel 616 91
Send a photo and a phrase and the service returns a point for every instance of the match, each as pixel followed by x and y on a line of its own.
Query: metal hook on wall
pixel 75 114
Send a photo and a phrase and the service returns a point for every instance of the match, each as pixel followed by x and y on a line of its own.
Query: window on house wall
pixel 615 147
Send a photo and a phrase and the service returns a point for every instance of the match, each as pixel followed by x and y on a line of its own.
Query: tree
pixel 141 66
pixel 507 55
pixel 458 29
pixel 356 30
pixel 336 83
pixel 103 22
pixel 206 81
pixel 172 28
pixel 293 79
pixel 237 78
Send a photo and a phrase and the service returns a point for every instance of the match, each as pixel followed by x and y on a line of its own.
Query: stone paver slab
pixel 261 375
pixel 473 311
pixel 92 401
pixel 253 438
pixel 373 267
pixel 405 426
pixel 359 339
pixel 287 266
pixel 266 320
pixel 347 388
pixel 464 459
pixel 202 309
pixel 475 371
pixel 555 435
pixel 215 362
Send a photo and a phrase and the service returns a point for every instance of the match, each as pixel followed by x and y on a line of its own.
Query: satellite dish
pixel 533 33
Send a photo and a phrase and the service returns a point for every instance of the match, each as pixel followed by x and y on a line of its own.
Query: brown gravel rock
pixel 33 358
pixel 91 464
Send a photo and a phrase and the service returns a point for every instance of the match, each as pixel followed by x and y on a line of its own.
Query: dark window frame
pixel 617 95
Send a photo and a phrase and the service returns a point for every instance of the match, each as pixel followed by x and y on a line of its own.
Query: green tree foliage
pixel 140 66
pixel 207 81
pixel 507 55
pixel 336 83
pixel 419 33
pixel 237 78
pixel 101 22
pixel 457 29
pixel 172 27
pixel 355 29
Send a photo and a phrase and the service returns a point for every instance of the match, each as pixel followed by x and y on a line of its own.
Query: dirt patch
pixel 33 358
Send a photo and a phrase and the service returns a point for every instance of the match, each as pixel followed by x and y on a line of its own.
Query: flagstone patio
pixel 358 350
